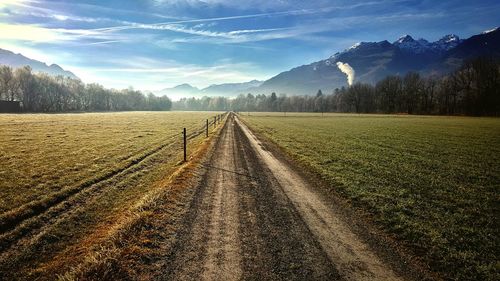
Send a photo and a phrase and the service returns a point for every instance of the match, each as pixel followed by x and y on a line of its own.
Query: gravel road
pixel 254 218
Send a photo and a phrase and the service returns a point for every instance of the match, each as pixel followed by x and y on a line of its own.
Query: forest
pixel 43 93
pixel 473 89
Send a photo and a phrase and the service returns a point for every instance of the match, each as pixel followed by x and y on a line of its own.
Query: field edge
pixel 108 258
pixel 389 248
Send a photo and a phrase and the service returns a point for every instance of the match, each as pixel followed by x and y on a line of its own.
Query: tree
pixel 360 96
pixel 273 102
pixel 389 94
pixel 6 83
pixel 319 102
pixel 412 84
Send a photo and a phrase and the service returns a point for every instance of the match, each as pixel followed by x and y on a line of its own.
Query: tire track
pixel 352 257
pixel 256 219
pixel 33 218
pixel 209 248
pixel 12 218
pixel 242 228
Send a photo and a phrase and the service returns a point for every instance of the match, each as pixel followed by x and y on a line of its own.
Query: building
pixel 10 106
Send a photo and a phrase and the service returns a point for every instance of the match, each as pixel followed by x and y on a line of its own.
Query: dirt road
pixel 254 218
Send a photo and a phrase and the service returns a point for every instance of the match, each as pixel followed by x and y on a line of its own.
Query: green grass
pixel 433 182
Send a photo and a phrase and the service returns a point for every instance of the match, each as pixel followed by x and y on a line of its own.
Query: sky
pixel 156 44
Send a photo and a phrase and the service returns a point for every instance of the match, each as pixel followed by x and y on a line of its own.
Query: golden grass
pixel 133 236
pixel 136 145
pixel 44 153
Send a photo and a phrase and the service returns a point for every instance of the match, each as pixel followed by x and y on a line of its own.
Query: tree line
pixel 473 89
pixel 43 93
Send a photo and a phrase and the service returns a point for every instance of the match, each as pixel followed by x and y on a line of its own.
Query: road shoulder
pixel 360 222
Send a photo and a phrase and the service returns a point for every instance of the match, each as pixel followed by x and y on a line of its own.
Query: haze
pixel 154 44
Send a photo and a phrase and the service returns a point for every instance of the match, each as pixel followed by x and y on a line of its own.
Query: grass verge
pixel 431 182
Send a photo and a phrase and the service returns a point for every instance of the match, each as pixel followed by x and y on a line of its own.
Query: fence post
pixel 185 144
pixel 215 121
pixel 207 128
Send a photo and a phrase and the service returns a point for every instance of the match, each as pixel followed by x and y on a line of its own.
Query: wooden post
pixel 215 121
pixel 185 144
pixel 207 128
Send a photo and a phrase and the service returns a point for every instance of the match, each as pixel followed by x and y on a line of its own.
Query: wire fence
pixel 192 133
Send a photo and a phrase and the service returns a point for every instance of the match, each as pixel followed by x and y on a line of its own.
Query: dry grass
pixel 138 246
pixel 122 157
pixel 41 154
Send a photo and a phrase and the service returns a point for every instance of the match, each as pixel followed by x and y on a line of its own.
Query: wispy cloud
pixel 202 30
pixel 161 43
pixel 20 3
pixel 36 33
pixel 263 5
pixel 156 75
pixel 237 17
pixel 28 33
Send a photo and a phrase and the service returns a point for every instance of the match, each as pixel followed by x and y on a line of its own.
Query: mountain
pixel 179 91
pixel 183 89
pixel 372 61
pixel 228 89
pixel 408 44
pixel 17 60
pixel 231 89
pixel 486 43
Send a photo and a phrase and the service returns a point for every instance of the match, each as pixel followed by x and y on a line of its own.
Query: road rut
pixel 254 218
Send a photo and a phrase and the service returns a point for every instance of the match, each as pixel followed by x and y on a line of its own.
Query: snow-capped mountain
pixel 491 30
pixel 373 61
pixel 408 44
pixel 447 43
pixel 17 60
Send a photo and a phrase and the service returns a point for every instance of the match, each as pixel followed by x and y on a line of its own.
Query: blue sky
pixel 154 44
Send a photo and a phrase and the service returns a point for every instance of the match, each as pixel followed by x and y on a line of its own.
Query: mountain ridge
pixel 372 61
pixel 18 60
pixel 224 89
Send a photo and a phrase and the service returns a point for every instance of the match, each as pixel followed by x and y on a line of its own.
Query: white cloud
pixel 264 5
pixel 31 53
pixel 28 33
pixel 150 74
pixel 22 3
pixel 39 34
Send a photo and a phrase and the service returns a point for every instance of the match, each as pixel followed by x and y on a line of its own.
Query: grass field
pixel 41 154
pixel 433 182
pixel 65 176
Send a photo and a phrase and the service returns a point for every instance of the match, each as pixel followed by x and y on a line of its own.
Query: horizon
pixel 122 44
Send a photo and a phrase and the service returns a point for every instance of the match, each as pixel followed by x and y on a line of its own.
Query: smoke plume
pixel 348 70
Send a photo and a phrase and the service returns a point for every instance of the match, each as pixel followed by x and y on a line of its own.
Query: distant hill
pixel 373 61
pixel 17 60
pixel 228 89
pixel 183 89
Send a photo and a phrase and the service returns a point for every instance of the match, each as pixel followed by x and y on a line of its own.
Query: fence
pixel 191 134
